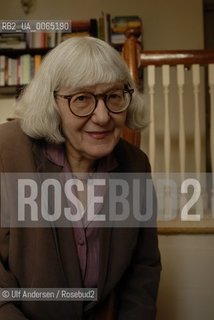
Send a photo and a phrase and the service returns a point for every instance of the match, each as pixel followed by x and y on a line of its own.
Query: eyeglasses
pixel 83 104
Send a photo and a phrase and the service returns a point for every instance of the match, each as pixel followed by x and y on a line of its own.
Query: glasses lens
pixel 118 100
pixel 82 104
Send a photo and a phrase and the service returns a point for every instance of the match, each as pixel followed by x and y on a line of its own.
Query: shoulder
pixel 21 153
pixel 131 158
pixel 11 131
pixel 12 136
pixel 15 147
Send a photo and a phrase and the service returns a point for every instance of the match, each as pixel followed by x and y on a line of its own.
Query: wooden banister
pixel 136 57
pixel 175 57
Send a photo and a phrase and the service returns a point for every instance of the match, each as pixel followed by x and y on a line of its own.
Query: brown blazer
pixel 47 257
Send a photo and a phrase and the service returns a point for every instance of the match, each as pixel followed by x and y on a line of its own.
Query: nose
pixel 101 114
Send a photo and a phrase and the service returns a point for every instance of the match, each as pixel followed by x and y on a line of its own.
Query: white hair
pixel 74 63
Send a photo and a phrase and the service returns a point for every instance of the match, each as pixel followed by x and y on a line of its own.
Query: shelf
pixel 10 91
pixel 18 52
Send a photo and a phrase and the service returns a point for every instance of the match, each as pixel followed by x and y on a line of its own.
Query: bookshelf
pixel 18 66
pixel 21 53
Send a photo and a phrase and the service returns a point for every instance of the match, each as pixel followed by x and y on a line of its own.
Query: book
pixel 50 39
pixel 25 69
pixel 38 40
pixel 89 26
pixel 12 72
pixel 101 28
pixel 105 27
pixel 66 36
pixel 37 62
pixel 2 70
pixel 12 41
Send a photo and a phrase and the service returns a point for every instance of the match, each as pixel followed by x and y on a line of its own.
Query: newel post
pixel 131 54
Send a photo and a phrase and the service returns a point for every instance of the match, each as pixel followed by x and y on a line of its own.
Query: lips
pixel 98 135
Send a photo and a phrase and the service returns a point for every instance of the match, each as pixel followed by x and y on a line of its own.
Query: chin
pixel 100 151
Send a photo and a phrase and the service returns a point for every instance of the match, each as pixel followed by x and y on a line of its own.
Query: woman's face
pixel 96 135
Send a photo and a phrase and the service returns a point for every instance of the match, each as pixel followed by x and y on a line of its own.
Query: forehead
pixel 101 87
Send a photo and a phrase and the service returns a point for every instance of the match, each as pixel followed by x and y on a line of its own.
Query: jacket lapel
pixel 63 237
pixel 105 242
pixel 68 256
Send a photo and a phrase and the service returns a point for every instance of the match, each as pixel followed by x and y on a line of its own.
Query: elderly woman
pixel 71 117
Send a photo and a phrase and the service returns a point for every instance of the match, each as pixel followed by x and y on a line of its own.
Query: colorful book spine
pixel 2 70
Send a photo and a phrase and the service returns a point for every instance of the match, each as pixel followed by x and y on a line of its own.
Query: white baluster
pixel 168 190
pixel 211 86
pixel 182 142
pixel 166 80
pixel 197 131
pixel 151 84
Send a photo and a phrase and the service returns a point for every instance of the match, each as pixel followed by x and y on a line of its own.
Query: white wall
pixel 6 109
pixel 186 291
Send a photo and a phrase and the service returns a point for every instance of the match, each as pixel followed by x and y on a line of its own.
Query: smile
pixel 99 134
